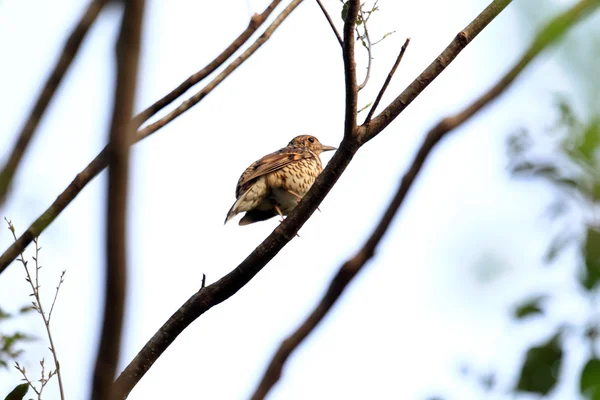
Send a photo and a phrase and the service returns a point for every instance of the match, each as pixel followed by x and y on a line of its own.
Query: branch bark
pixel 69 51
pixel 120 139
pixel 101 160
pixel 350 269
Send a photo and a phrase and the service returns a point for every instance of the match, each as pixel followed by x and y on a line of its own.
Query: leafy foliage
pixel 589 383
pixel 10 343
pixel 18 393
pixel 541 368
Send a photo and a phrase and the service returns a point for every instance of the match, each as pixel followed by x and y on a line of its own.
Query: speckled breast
pixel 298 178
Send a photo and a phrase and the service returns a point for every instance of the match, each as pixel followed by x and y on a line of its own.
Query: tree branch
pixel 337 35
pixel 69 51
pixel 463 38
pixel 101 160
pixel 387 82
pixel 255 22
pixel 350 71
pixel 120 139
pixel 354 265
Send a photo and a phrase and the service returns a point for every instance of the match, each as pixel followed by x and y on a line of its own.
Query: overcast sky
pixel 466 245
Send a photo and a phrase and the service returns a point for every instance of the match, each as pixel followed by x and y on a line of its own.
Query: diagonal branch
pixel 255 22
pixel 120 139
pixel 463 38
pixel 101 160
pixel 387 81
pixel 354 265
pixel 69 51
pixel 336 33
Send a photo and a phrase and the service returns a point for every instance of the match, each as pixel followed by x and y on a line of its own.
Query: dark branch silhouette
pixel 101 160
pixel 228 285
pixel 69 51
pixel 255 22
pixel 120 139
pixel 331 24
pixel 387 82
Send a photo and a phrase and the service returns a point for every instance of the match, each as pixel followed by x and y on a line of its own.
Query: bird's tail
pixel 240 205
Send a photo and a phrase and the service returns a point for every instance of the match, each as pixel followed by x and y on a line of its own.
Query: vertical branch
pixel 350 69
pixel 70 49
pixel 120 138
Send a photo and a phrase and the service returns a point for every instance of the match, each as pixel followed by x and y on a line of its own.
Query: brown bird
pixel 275 184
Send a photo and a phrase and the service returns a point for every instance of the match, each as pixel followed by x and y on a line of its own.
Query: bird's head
pixel 311 143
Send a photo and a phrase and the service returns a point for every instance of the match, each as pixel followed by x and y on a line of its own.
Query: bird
pixel 276 183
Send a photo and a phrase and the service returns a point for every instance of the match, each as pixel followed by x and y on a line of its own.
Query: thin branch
pixel 387 82
pixel 38 306
pixel 337 34
pixel 60 282
pixel 69 51
pixel 255 22
pixel 101 160
pixel 120 139
pixel 354 265
pixel 369 46
pixel 462 39
pixel 196 98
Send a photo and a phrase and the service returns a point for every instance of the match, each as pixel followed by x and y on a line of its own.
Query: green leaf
pixel 529 308
pixel 590 142
pixel 18 393
pixel 589 383
pixel 592 259
pixel 344 11
pixel 541 368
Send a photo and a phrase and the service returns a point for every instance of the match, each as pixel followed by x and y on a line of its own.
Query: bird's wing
pixel 271 163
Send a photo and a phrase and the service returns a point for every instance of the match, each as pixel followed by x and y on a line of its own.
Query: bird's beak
pixel 327 148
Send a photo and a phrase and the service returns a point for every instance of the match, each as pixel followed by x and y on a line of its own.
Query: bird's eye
pixel 311 139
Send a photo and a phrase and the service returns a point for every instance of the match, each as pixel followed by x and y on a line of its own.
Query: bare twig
pixel 354 265
pixel 38 306
pixel 462 39
pixel 120 138
pixel 60 282
pixel 367 45
pixel 101 160
pixel 337 35
pixel 68 54
pixel 255 22
pixel 387 81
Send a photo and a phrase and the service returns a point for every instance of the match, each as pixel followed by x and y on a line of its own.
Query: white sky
pixel 466 246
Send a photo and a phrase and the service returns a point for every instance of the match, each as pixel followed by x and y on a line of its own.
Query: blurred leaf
pixel 530 308
pixel 558 244
pixel 541 368
pixel 4 314
pixel 588 146
pixel 18 393
pixel 567 116
pixel 488 381
pixel 518 143
pixel 344 11
pixel 592 259
pixel 26 309
pixel 589 383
